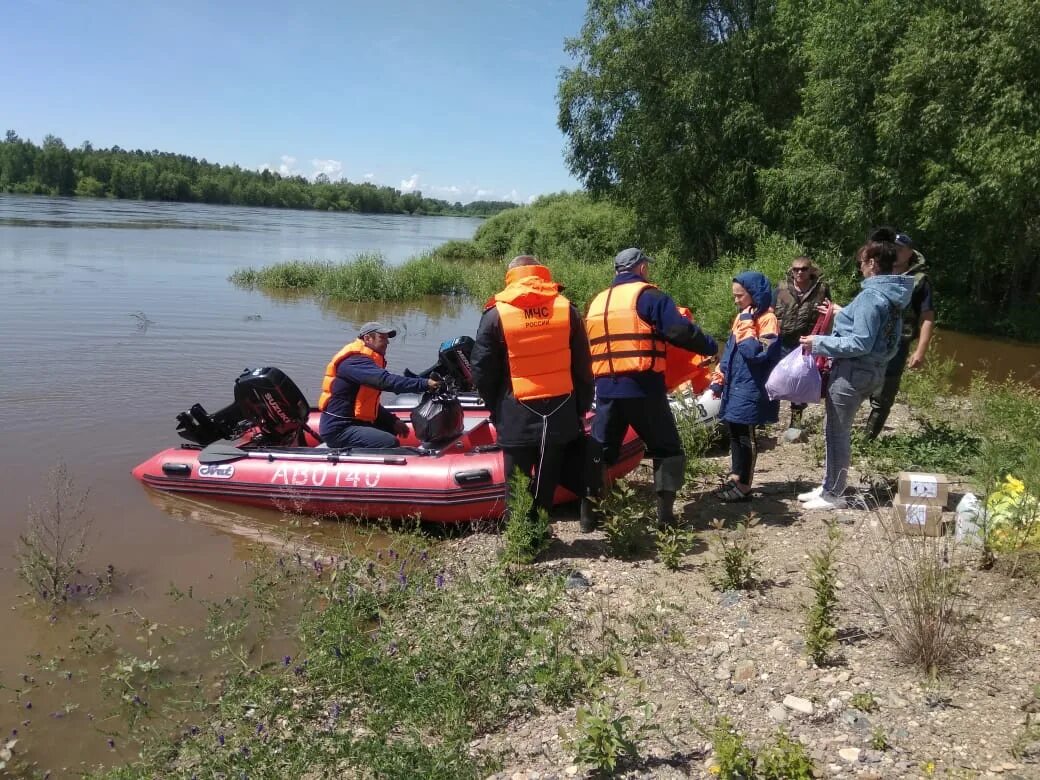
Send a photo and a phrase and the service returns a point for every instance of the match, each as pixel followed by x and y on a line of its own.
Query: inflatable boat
pixel 262 451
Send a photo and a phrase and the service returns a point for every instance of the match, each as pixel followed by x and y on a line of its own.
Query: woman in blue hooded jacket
pixel 864 338
pixel 751 352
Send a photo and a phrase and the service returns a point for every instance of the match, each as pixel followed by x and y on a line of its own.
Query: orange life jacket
pixel 366 402
pixel 684 366
pixel 621 342
pixel 536 323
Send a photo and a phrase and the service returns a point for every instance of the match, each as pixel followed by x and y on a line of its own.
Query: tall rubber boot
pixel 595 479
pixel 669 474
pixel 665 508
pixel 875 423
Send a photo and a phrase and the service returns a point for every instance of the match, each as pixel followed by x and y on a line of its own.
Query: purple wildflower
pixel 287 660
pixel 392 649
pixel 298 671
pixel 317 566
pixel 438 581
pixel 334 711
pixel 259 728
pixel 391 553
pixel 193 730
pixel 337 652
pixel 220 740
pixel 111 744
pixel 402 578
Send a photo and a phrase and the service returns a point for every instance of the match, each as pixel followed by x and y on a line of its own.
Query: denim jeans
pixel 851 383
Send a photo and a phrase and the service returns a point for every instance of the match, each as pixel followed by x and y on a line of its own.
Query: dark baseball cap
pixel 377 327
pixel 904 240
pixel 627 259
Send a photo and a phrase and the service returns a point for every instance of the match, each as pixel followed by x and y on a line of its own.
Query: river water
pixel 116 316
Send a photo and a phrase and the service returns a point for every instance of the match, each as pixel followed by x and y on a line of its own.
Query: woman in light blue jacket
pixel 864 338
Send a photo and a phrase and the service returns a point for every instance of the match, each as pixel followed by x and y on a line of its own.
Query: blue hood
pixel 896 289
pixel 759 288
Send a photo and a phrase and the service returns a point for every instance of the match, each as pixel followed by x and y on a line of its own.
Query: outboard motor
pixel 265 398
pixel 271 400
pixel 453 364
pixel 438 418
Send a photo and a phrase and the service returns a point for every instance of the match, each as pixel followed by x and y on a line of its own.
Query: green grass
pixel 399 668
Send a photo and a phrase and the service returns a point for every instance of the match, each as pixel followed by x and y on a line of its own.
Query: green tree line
pixel 719 122
pixel 54 169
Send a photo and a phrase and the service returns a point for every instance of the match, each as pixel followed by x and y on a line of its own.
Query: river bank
pixel 438 660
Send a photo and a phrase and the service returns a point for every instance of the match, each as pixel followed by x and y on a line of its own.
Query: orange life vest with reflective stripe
pixel 683 366
pixel 366 403
pixel 536 323
pixel 621 342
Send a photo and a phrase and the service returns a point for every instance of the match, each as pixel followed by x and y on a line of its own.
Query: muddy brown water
pixel 116 316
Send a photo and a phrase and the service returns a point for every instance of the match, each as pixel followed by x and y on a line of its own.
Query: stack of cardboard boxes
pixel 920 502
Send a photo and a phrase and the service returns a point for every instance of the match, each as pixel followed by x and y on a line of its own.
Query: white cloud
pixel 288 166
pixel 368 176
pixel 331 168
pixel 410 184
pixel 481 193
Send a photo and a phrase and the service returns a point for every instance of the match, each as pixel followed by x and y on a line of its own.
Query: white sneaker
pixel 814 493
pixel 826 501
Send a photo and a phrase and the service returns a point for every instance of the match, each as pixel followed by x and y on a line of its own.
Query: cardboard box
pixel 918 518
pixel 920 488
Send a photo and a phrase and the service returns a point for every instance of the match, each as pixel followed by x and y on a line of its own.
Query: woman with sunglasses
pixel 797 301
pixel 864 338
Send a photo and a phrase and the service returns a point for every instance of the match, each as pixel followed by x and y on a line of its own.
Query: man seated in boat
pixel 351 415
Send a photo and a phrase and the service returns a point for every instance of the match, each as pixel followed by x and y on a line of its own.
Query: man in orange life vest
pixel 629 325
pixel 351 415
pixel 532 367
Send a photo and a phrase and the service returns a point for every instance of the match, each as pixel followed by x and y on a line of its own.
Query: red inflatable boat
pixel 261 451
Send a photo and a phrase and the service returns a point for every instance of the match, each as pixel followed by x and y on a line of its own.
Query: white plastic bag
pixel 971 520
pixel 796 379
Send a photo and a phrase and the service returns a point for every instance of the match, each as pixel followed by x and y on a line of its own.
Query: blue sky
pixel 456 99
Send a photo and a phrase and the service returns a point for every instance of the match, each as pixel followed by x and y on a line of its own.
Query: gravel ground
pixel 698 654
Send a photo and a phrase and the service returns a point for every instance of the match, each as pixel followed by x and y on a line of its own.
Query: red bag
pixel 822 328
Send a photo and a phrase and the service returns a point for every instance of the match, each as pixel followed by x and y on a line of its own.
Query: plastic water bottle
pixel 971 518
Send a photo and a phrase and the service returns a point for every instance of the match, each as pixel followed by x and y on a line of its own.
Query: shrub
pixel 673 544
pixel 821 618
pixel 785 759
pixel 736 565
pixel 604 739
pixel 733 759
pixel 915 585
pixel 624 520
pixel 864 702
pixel 527 533
pixel 54 544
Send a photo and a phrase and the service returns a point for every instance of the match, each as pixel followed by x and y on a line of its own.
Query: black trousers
pixel 544 476
pixel 743 451
pixel 650 417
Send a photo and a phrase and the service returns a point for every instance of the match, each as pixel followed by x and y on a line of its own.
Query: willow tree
pixel 671 108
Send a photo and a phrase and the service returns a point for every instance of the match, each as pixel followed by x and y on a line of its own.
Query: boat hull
pixel 462 482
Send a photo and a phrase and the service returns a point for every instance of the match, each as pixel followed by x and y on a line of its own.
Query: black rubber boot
pixel 875 423
pixel 595 482
pixel 589 519
pixel 665 508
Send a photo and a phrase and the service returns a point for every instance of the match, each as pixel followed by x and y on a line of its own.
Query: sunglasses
pixel 803 269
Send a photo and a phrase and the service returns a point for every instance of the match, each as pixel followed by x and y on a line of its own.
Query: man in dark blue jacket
pixel 628 325
pixel 351 415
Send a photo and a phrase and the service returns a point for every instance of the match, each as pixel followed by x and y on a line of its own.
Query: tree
pixel 673 106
